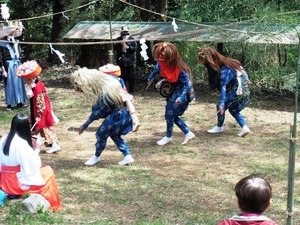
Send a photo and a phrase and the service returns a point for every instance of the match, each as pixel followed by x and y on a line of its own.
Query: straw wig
pixel 97 85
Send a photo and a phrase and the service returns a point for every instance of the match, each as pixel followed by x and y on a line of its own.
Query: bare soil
pixel 178 183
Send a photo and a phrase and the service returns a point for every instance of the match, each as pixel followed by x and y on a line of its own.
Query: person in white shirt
pixel 21 167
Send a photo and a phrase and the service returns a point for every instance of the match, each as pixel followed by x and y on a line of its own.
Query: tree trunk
pixel 161 8
pixel 144 15
pixel 56 27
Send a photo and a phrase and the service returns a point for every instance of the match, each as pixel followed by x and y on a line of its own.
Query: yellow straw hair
pixel 97 85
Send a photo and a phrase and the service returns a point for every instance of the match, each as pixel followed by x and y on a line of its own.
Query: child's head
pixel 254 194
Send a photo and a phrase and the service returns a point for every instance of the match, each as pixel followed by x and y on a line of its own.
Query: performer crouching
pixel 111 102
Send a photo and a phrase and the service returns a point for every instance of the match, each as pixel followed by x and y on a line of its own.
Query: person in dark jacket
pixel 125 57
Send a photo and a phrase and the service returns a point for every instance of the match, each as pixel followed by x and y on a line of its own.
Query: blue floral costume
pixel 173 111
pixel 117 122
pixel 229 99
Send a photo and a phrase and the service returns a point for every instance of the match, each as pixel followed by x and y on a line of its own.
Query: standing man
pixel 125 57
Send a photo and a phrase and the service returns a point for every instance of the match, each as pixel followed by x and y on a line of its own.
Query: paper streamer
pixel 175 27
pixel 144 47
pixel 58 53
pixel 5 11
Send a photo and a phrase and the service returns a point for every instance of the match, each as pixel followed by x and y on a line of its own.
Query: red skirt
pixel 9 184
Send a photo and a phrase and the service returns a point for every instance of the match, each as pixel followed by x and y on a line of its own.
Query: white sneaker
pixel 92 161
pixel 245 130
pixel 216 130
pixel 55 147
pixel 189 136
pixel 164 140
pixel 127 160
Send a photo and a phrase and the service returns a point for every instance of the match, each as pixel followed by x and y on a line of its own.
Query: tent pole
pixel 292 154
pixel 110 52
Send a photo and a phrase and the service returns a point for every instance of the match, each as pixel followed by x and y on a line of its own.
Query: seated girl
pixel 21 169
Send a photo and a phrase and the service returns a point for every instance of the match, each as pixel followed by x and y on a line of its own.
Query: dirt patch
pixel 174 183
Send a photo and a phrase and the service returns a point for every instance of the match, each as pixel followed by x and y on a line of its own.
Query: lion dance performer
pixel 111 102
pixel 224 74
pixel 175 71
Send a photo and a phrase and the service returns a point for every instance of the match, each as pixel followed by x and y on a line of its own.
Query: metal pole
pixel 110 52
pixel 292 155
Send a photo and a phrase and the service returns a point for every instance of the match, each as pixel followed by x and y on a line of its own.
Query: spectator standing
pixel 125 57
pixel 14 86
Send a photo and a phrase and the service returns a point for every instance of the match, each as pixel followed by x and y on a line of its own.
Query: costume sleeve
pixel 129 105
pixel 30 164
pixel 40 104
pixel 99 110
pixel 155 71
pixel 225 78
pixel 185 80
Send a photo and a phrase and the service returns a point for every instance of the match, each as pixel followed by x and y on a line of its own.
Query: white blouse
pixel 20 153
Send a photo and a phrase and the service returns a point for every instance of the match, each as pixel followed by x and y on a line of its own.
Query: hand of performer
pixel 135 122
pixel 4 73
pixel 135 119
pixel 80 130
pixel 149 83
pixel 177 101
pixel 37 119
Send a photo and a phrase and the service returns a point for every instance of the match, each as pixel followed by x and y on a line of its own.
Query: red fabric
pixel 9 183
pixel 233 222
pixel 46 118
pixel 171 74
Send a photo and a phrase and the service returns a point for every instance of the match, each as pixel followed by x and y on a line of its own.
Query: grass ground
pixel 173 184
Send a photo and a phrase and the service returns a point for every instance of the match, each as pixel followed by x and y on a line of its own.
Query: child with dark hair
pixel 254 195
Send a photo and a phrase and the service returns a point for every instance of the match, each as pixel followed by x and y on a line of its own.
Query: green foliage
pixel 262 62
pixel 267 64
pixel 16 216
pixel 232 10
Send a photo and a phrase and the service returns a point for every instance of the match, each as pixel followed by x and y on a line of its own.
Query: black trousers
pixel 127 74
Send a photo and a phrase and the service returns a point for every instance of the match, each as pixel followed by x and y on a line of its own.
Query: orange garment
pixel 171 74
pixel 9 184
